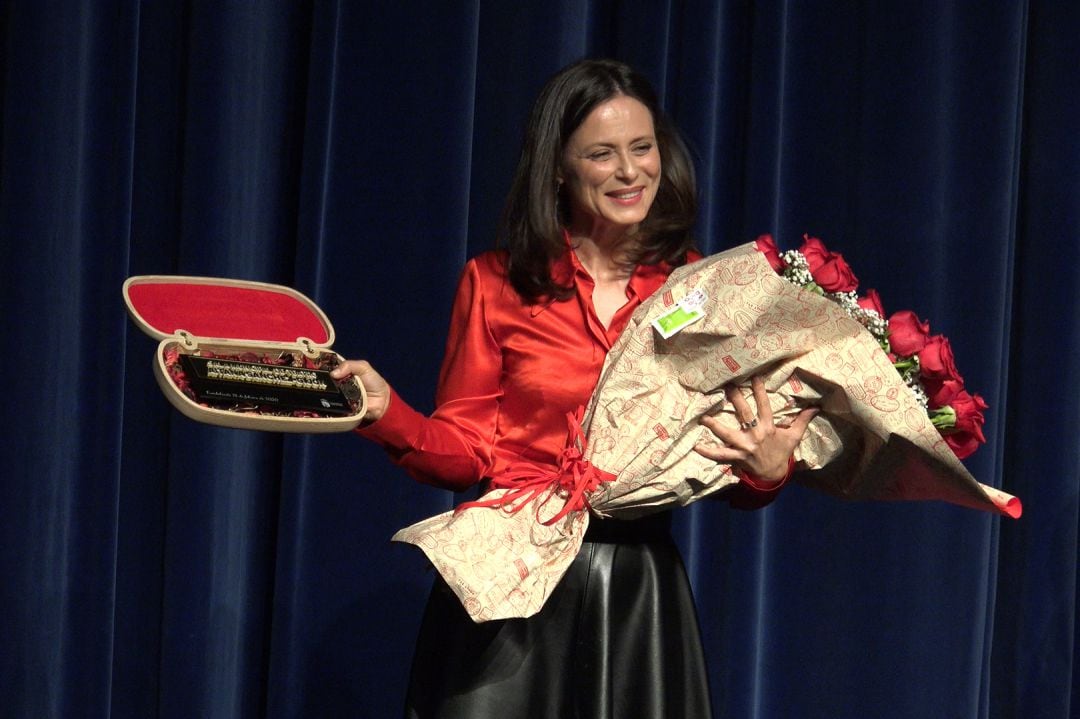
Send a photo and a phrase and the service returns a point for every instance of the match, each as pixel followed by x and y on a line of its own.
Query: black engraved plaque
pixel 229 384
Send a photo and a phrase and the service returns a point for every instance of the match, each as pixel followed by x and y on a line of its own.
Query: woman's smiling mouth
pixel 627 197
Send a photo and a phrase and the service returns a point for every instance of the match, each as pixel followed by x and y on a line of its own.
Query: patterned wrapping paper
pixel 871 439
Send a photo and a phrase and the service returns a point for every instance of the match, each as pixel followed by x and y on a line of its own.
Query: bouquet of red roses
pixel 632 451
pixel 924 361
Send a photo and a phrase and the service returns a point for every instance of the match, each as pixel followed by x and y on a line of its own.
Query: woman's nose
pixel 627 169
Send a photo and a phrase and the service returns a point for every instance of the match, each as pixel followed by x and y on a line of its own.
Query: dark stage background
pixel 360 151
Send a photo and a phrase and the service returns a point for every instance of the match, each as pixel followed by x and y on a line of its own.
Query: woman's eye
pixel 600 155
pixel 642 149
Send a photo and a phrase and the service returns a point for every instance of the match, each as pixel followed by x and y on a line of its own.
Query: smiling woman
pixel 593 121
pixel 610 174
pixel 611 170
pixel 598 216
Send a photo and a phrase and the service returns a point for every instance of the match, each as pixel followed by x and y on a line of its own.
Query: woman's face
pixel 611 166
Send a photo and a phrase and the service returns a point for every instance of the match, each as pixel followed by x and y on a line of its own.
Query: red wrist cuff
pixel 397 427
pixel 760 485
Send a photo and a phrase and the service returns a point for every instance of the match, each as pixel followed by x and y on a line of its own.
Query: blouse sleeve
pixel 451 448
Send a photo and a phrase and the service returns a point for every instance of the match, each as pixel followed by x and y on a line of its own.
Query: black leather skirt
pixel 617 638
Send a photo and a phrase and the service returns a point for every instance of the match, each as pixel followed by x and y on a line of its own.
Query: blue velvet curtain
pixel 155 567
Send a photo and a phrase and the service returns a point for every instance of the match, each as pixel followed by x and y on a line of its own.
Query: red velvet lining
pixel 242 313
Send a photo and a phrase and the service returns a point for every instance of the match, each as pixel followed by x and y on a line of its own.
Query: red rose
pixel 828 269
pixel 966 437
pixel 907 333
pixel 942 392
pixel 936 362
pixel 872 302
pixel 767 247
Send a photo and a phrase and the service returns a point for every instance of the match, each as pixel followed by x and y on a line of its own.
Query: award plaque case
pixel 192 315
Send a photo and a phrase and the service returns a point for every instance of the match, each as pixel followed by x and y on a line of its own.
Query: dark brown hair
pixel 532 222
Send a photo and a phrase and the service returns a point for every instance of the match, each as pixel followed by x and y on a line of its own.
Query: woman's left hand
pixel 758 447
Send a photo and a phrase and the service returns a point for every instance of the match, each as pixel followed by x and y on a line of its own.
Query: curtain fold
pixel 360 152
pixel 1034 661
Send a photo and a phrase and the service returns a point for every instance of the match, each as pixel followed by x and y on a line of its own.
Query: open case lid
pixel 214 308
pixel 195 311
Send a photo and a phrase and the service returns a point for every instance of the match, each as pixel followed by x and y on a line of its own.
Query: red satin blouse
pixel 511 373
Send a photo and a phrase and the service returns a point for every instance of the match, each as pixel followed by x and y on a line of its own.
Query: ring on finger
pixel 748 425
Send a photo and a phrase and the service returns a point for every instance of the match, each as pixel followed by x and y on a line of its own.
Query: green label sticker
pixel 686 312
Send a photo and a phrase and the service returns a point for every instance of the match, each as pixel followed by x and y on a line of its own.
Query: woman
pixel 599 213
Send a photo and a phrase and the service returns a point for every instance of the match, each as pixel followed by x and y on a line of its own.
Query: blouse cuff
pixel 758 486
pixel 397 428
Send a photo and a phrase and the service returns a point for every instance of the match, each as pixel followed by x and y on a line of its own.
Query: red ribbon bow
pixel 572 479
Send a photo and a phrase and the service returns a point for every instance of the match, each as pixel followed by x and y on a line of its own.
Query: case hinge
pixel 187 340
pixel 308 347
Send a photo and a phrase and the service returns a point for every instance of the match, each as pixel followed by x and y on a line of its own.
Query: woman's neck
pixel 605 256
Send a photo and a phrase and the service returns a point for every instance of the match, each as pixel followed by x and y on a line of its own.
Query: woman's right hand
pixel 377 389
